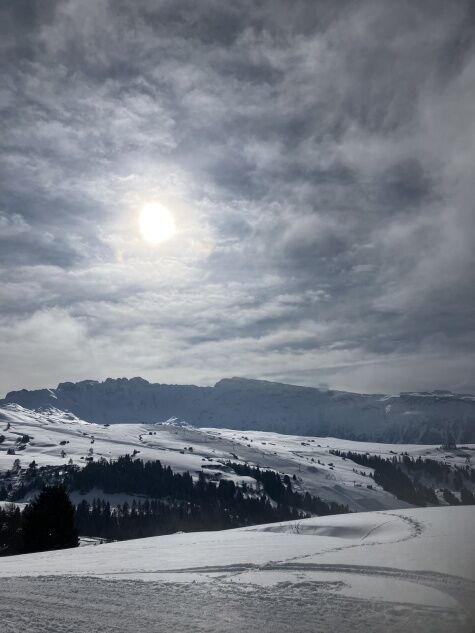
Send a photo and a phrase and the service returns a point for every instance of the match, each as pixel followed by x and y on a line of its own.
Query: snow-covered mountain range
pixel 238 403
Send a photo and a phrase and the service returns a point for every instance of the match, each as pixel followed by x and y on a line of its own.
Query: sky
pixel 318 158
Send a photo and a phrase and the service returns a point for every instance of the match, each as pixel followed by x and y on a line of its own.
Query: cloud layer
pixel 318 158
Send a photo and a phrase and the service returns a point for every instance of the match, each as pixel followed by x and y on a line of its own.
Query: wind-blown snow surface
pixel 260 405
pixel 402 570
pixel 54 438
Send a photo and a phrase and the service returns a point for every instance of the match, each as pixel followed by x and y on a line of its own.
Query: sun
pixel 156 223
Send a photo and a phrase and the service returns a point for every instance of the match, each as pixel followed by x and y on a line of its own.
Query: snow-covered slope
pixel 55 438
pixel 394 570
pixel 251 404
pixel 403 570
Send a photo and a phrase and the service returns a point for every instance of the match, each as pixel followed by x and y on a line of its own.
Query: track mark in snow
pixel 374 528
pixel 416 529
pixel 460 589
pixel 69 604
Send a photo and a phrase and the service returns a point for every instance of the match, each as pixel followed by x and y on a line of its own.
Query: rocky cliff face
pixel 254 404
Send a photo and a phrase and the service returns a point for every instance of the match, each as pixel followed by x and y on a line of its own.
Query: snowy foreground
pixel 400 570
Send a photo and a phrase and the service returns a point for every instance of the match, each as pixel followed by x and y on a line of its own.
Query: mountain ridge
pixel 241 403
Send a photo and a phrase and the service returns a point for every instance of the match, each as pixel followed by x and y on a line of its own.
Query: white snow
pixel 396 569
pixel 414 566
pixel 309 459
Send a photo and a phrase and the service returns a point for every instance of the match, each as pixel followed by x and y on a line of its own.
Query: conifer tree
pixel 48 522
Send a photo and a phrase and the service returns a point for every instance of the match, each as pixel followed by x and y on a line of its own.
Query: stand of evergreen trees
pixel 173 501
pixel 153 480
pixel 47 523
pixel 390 474
pixel 280 489
pixel 134 476
pixel 180 504
pixel 153 517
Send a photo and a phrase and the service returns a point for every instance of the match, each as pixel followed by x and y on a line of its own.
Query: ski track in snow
pixel 416 529
pixel 459 588
pixel 91 605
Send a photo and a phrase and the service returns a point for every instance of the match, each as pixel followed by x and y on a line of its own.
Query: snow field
pixel 56 437
pixel 395 568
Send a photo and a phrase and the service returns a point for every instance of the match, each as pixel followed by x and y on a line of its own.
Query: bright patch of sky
pixel 317 159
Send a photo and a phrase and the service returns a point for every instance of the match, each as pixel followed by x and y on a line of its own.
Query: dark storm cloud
pixel 321 159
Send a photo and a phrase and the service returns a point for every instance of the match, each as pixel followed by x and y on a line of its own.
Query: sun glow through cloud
pixel 156 223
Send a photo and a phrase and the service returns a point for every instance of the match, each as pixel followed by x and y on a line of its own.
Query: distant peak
pixel 136 380
pixel 237 380
pixel 68 386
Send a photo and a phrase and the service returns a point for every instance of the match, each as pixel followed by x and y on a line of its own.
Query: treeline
pixel 439 471
pixel 280 489
pixel 389 474
pixel 175 501
pixel 431 467
pixel 153 517
pixel 153 480
pixel 214 507
pixel 134 476
pixel 178 503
